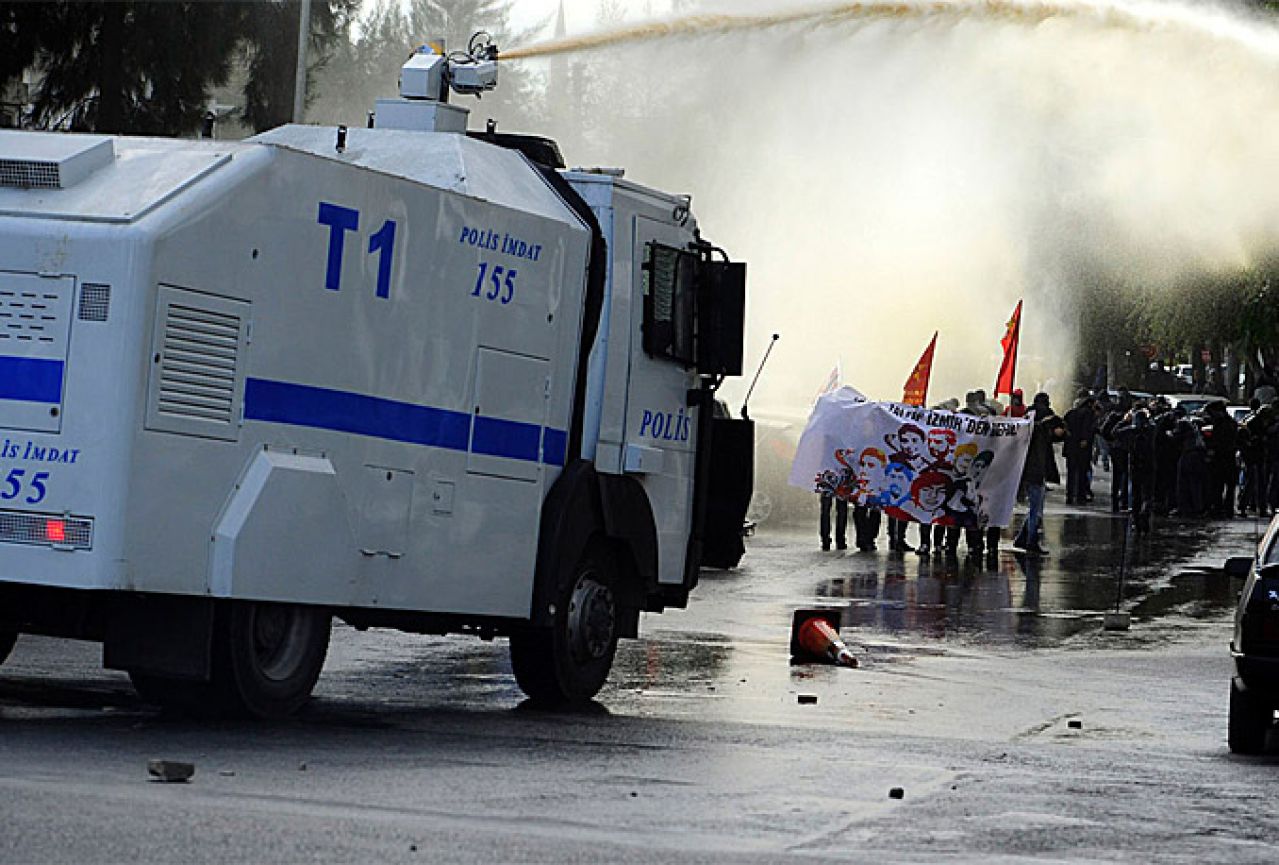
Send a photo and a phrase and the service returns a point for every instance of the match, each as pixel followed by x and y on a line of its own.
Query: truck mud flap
pixel 163 635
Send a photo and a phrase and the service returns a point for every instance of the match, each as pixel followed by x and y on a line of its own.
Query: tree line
pixel 152 68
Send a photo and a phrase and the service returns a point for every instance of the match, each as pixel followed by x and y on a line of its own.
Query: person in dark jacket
pixel 1192 468
pixel 1113 419
pixel 1081 426
pixel 1048 429
pixel 841 522
pixel 1221 435
pixel 1167 453
pixel 1252 451
pixel 1271 435
pixel 1137 436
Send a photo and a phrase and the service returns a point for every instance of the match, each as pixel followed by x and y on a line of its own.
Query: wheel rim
pixel 591 619
pixel 279 640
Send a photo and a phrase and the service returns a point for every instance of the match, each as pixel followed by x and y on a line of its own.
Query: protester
pixel 1016 404
pixel 1049 428
pixel 1272 457
pixel 974 404
pixel 1136 436
pixel 1252 449
pixel 1114 418
pixel 865 526
pixel 1081 425
pixel 1221 435
pixel 841 522
pixel 1192 467
pixel 1167 454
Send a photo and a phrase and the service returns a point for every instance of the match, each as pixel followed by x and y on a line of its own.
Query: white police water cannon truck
pixel 407 376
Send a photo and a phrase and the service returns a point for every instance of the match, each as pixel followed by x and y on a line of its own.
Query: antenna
pixel 750 391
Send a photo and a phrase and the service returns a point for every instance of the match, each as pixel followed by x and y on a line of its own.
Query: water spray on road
pixel 893 168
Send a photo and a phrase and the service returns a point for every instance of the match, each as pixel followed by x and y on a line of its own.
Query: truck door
pixel 661 430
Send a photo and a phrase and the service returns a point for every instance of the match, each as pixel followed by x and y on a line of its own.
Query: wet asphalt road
pixel 420 749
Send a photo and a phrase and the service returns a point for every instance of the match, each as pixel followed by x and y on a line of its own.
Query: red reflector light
pixel 55 531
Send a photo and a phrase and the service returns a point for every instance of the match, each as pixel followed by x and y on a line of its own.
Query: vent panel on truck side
pixel 197 369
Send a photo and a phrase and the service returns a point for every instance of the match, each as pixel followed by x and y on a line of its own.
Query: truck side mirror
pixel 721 317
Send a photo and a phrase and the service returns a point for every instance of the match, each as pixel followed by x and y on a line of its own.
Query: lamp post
pixel 299 80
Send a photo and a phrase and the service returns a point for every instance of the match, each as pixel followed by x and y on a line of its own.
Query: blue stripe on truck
pixel 343 411
pixel 31 379
pixel 506 438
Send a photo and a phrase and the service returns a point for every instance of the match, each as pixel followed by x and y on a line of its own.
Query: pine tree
pixel 270 50
pixel 149 67
pixel 121 67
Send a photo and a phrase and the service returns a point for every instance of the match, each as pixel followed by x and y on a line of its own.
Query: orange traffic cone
pixel 815 636
pixel 819 638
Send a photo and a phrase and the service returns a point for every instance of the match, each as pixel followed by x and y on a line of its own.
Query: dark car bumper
pixel 1259 673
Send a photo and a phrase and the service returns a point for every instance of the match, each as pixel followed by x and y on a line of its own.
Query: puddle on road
pixel 1038 601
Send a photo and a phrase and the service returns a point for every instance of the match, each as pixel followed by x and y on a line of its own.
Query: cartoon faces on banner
pixel 926 486
pixel 921 465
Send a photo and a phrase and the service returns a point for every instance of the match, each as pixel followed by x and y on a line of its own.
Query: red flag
pixel 1008 369
pixel 916 392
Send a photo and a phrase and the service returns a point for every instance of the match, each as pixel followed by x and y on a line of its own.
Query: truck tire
pixel 266 660
pixel 271 657
pixel 568 662
pixel 7 641
pixel 1250 720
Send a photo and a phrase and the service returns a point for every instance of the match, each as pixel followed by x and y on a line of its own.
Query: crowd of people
pixel 1165 460
pixel 1161 459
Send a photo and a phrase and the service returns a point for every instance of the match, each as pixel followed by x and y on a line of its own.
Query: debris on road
pixel 170 771
pixel 1116 621
pixel 815 637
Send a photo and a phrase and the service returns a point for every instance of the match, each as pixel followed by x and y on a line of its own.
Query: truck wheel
pixel 1250 720
pixel 266 660
pixel 270 657
pixel 7 640
pixel 568 662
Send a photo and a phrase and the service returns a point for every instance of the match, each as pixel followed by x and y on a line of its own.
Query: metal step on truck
pixel 407 376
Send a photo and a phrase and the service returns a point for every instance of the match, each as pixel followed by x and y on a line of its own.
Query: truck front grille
pixel 46 530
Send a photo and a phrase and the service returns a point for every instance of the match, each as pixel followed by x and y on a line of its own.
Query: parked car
pixel 1254 689
pixel 1193 403
pixel 1136 395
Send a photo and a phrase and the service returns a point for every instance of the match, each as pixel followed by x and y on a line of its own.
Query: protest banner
pixel 918 464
